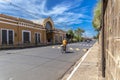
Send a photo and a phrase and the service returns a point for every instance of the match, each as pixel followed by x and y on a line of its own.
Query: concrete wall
pixel 100 55
pixel 111 40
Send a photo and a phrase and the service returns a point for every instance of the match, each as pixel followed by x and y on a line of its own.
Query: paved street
pixel 41 63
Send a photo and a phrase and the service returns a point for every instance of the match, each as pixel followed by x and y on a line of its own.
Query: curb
pixel 68 75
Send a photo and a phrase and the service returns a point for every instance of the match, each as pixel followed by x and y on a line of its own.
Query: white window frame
pixel 7 35
pixel 37 35
pixel 23 35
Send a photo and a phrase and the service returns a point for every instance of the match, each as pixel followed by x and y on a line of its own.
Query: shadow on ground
pixel 69 52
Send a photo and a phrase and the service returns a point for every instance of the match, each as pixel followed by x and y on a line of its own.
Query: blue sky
pixel 66 14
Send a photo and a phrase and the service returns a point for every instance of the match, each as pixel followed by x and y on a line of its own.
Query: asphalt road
pixel 41 63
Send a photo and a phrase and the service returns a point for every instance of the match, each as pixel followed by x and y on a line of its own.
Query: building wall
pixel 59 36
pixel 100 55
pixel 112 40
pixel 19 25
pixel 33 31
pixel 11 27
pixel 8 23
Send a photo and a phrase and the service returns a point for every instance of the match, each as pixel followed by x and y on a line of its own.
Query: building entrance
pixel 49 33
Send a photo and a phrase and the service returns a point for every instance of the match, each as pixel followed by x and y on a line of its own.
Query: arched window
pixel 48 26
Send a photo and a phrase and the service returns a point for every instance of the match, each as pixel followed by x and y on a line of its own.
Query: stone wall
pixel 111 39
pixel 99 56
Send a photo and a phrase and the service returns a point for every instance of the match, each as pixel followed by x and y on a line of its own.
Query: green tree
pixel 96 37
pixel 78 33
pixel 97 16
pixel 70 35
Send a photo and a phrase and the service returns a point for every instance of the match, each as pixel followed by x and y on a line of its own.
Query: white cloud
pixel 56 10
pixel 60 13
pixel 5 1
pixel 38 21
pixel 89 33
pixel 64 14
pixel 70 18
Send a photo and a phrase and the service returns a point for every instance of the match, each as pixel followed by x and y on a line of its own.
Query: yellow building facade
pixel 18 32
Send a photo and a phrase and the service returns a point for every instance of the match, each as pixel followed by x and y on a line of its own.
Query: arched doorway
pixel 49 32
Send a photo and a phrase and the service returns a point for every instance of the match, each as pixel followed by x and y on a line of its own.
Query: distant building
pixel 18 32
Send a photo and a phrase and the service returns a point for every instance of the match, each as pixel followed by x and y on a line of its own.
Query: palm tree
pixel 79 33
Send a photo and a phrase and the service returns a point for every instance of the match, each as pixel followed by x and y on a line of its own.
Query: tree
pixel 78 33
pixel 70 35
pixel 74 35
pixel 96 37
pixel 97 16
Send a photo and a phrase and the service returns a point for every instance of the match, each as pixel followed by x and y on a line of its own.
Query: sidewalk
pixel 89 68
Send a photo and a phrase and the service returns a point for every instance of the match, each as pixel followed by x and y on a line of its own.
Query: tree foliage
pixel 79 33
pixel 74 34
pixel 70 35
pixel 97 16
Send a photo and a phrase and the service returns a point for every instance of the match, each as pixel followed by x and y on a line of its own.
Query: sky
pixel 66 14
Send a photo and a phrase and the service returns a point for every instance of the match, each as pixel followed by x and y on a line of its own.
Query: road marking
pixel 58 47
pixel 84 50
pixel 10 78
pixel 71 48
pixel 53 46
pixel 82 59
pixel 77 49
